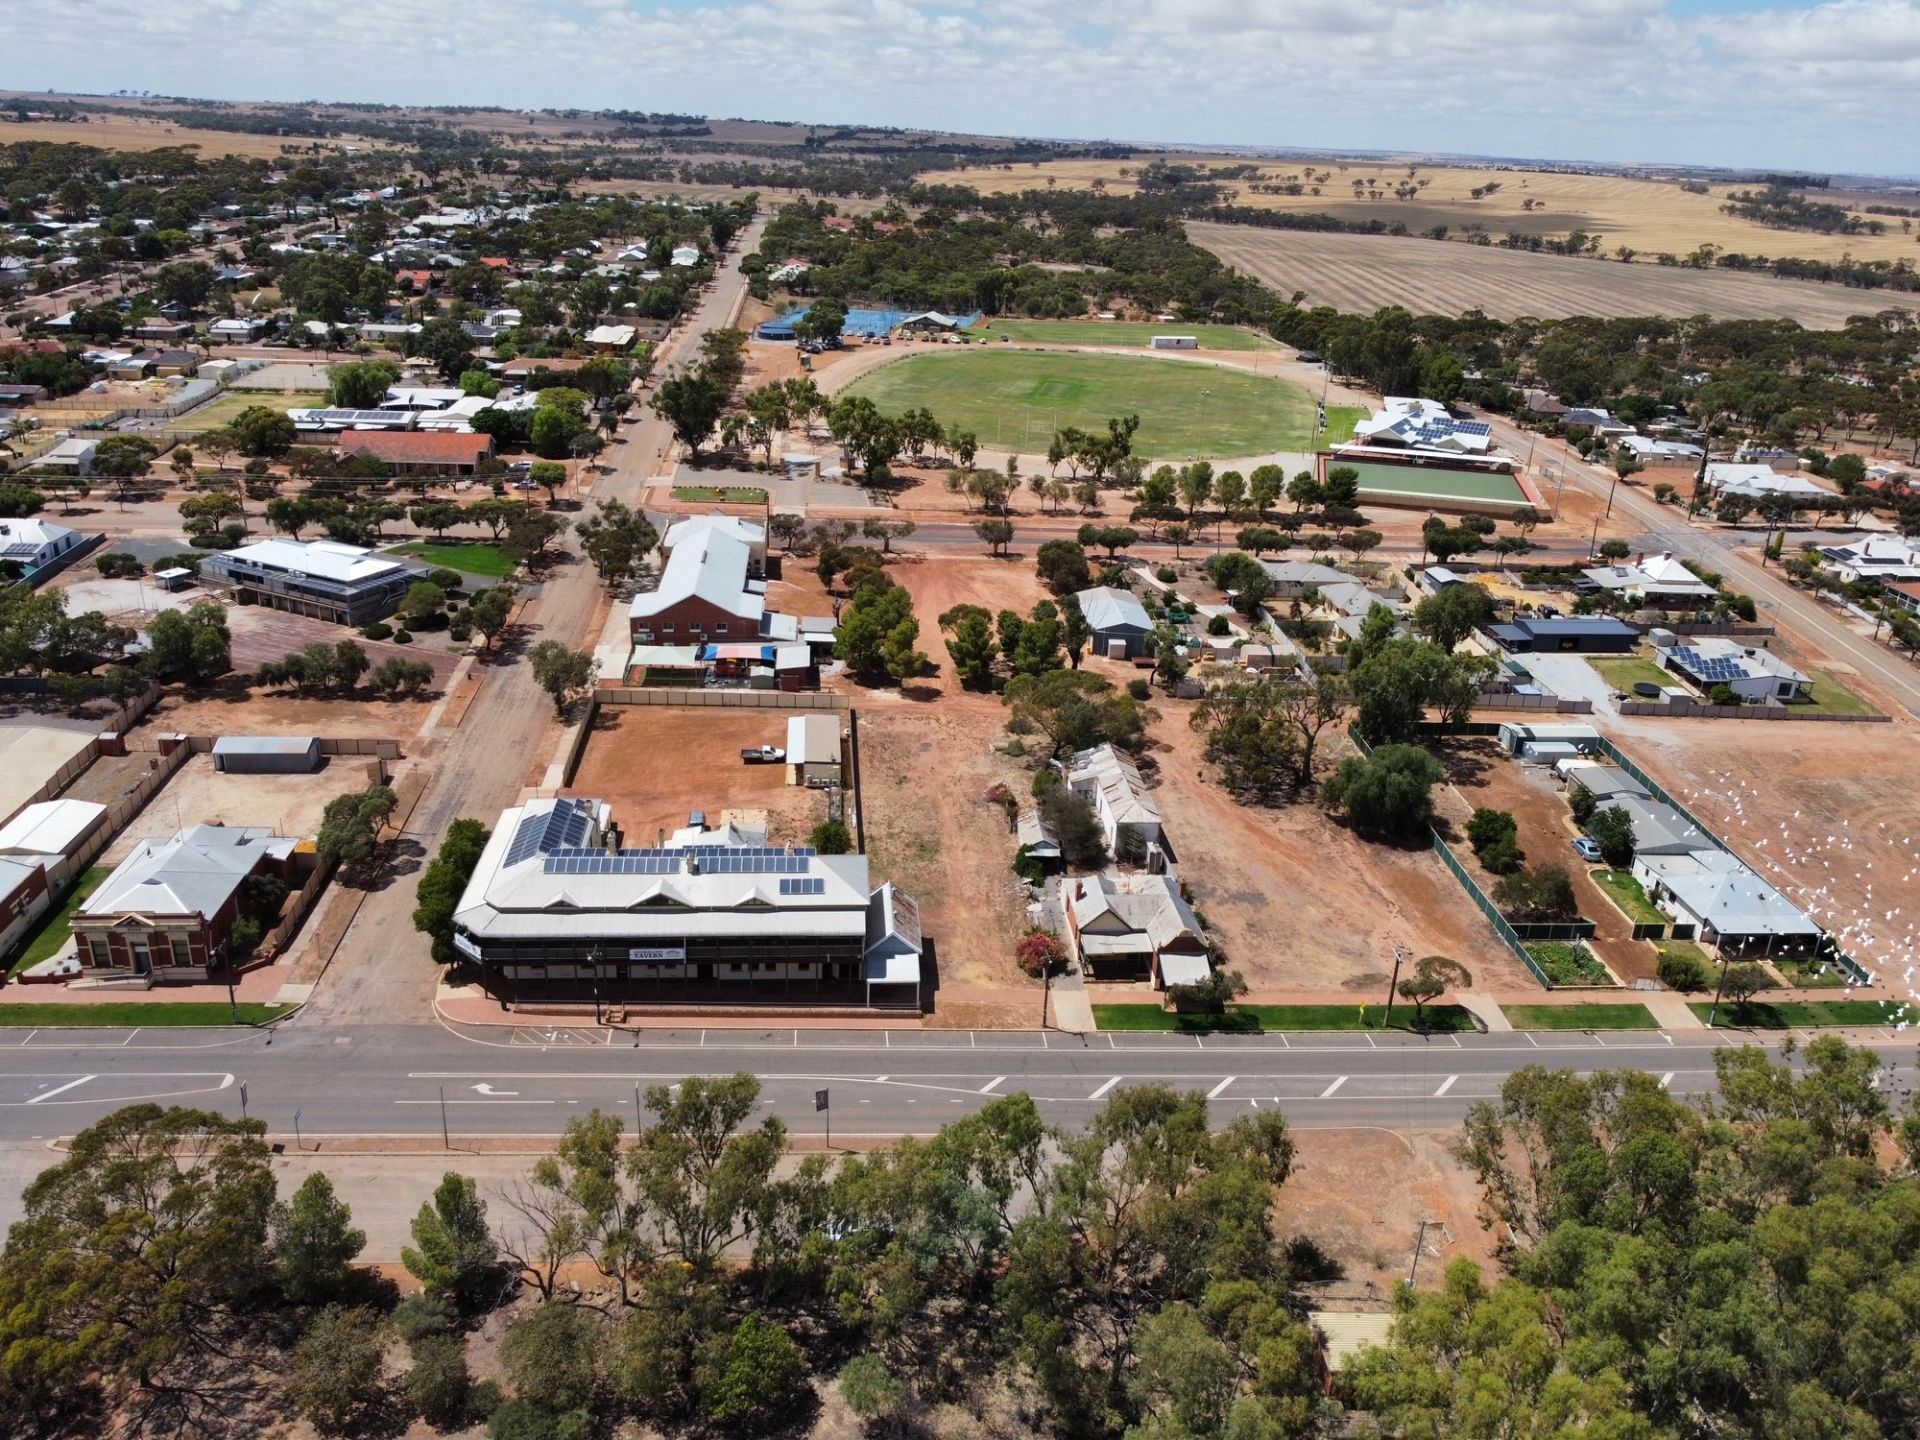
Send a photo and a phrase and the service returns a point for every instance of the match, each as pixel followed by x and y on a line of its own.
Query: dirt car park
pixel 197 794
pixel 656 765
pixel 229 707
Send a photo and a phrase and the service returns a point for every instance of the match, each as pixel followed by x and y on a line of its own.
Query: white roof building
pixel 1756 482
pixel 1104 778
pixel 192 873
pixel 50 829
pixel 684 255
pixel 1111 611
pixel 612 337
pixel 696 527
pixel 1730 904
pixel 1124 924
pixel 32 543
pixel 1650 579
pixel 332 560
pixel 713 571
pixel 1878 557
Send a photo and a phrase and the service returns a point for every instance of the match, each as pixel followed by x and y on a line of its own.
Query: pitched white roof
pixel 52 827
pixel 1148 909
pixel 1123 793
pixel 713 569
pixel 193 873
pixel 1107 608
pixel 611 335
pixel 40 534
pixel 695 526
pixel 1756 480
pixel 1724 893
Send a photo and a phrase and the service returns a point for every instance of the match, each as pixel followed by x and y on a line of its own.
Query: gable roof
pixel 1123 794
pixel 712 567
pixel 1147 908
pixel 1108 608
pixel 418 447
pixel 193 873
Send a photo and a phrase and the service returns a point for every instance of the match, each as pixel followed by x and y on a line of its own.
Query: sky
pixel 1831 86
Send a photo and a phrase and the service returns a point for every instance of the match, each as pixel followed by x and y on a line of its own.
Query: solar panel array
pixel 714 860
pixel 22 551
pixel 1433 431
pixel 345 419
pixel 565 826
pixel 811 885
pixel 1711 668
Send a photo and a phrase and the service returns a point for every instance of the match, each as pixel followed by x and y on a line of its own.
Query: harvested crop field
pixel 123 132
pixel 1364 272
pixel 1650 215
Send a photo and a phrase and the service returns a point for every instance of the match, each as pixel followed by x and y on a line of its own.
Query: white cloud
pixel 1830 86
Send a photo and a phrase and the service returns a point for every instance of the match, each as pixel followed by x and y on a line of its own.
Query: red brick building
pixel 412 452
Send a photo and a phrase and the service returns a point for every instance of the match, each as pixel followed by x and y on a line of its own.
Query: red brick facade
pixel 693 621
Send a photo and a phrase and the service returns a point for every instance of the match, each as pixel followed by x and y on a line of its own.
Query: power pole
pixel 1399 954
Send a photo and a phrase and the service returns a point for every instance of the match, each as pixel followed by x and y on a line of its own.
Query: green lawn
pixel 1580 1017
pixel 1387 482
pixel 1133 334
pixel 1830 697
pixel 56 925
pixel 1629 895
pixel 1016 399
pixel 727 495
pixel 1568 963
pixel 1811 974
pixel 469 557
pixel 1623 672
pixel 1687 949
pixel 225 406
pixel 1255 1019
pixel 1797 1014
pixel 122 1015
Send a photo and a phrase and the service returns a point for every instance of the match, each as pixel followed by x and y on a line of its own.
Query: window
pixel 719 629
pixel 667 629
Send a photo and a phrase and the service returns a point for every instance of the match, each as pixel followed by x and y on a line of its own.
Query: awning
pixel 1179 968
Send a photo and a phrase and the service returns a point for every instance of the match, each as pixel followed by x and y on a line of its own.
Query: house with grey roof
pixel 1120 624
pixel 1136 927
pixel 1728 905
pixel 169 910
pixel 559 908
pixel 1296 577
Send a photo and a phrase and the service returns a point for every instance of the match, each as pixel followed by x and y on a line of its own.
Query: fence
pixel 289 922
pixel 1719 627
pixel 1559 704
pixel 189 399
pixel 686 699
pixel 1695 710
pixel 43 573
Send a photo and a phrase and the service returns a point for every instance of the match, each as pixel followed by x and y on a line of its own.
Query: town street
pixel 411 1081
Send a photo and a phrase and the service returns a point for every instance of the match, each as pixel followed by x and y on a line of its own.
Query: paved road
pixel 1668 528
pixel 392 1079
pixel 381 970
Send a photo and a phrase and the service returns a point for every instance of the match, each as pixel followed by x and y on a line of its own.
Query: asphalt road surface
pixel 411 1080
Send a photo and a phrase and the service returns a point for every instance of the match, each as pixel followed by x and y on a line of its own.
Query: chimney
pixel 693 863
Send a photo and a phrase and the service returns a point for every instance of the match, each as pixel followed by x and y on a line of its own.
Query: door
pixel 142 957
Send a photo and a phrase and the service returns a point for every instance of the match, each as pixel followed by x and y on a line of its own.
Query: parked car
pixel 1310 357
pixel 763 755
pixel 1587 850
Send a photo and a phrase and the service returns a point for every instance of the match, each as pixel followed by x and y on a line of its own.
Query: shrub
pixel 439 1385
pixel 1583 803
pixel 1682 972
pixel 403 637
pixel 755 1374
pixel 1612 831
pixel 378 630
pixel 1166 575
pixel 830 837
pixel 335 1377
pixel 1038 952
pixel 422 1315
pixel 869 1388
pixel 1488 826
pixel 446 579
pixel 523 1420
pixel 1545 893
pixel 1218 625
pixel 1139 690
pixel 551 1355
pixel 1723 695
pixel 1502 856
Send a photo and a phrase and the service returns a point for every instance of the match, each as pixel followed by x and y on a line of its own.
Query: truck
pixel 763 755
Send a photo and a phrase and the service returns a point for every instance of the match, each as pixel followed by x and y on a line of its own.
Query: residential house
pixel 1120 624
pixel 40 853
pixel 1658 582
pixel 1749 671
pixel 74 456
pixel 612 337
pixel 1759 482
pixel 704 594
pixel 415 453
pixel 684 256
pixel 326 579
pixel 813 749
pixel 1293 578
pixel 1136 927
pixel 1726 904
pixel 238 330
pixel 1878 557
pixel 33 544
pixel 1651 452
pixel 557 908
pixel 1129 818
pixel 169 909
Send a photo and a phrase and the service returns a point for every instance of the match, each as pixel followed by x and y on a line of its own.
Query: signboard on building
pixel 663 952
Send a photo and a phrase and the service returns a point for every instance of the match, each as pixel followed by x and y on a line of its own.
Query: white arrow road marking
pixel 60 1089
pixel 485 1089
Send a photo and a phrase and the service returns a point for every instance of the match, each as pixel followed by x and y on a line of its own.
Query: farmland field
pixel 124 132
pixel 1649 215
pixel 1184 409
pixel 1365 272
pixel 1130 334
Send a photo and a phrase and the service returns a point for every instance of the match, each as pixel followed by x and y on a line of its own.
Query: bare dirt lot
pixel 1370 1230
pixel 655 765
pixel 1828 813
pixel 1365 272
pixel 1297 901
pixel 231 708
pixel 200 795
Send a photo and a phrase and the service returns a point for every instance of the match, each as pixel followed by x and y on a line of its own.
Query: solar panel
pixel 812 885
pixel 565 826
